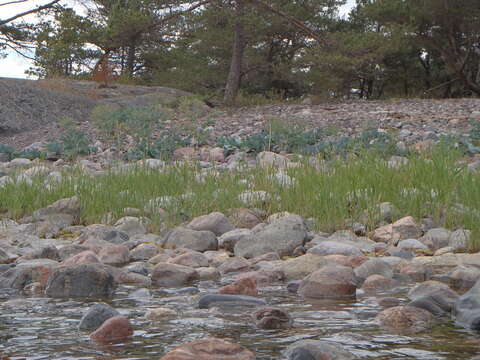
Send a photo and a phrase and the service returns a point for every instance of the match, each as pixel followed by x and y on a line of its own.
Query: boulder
pixel 334 248
pixel 131 225
pixel 209 349
pixel 181 237
pixel 96 316
pixel 89 280
pixel 229 239
pixel 432 287
pixel 28 272
pixel 281 236
pixel 415 271
pixel 192 259
pixel 436 238
pixel 114 255
pixel 143 252
pixel 234 264
pixel 376 282
pixel 271 318
pixel 85 257
pixel 171 275
pixel 299 267
pixel 215 222
pixel 114 330
pixel 467 308
pixel 463 277
pixel 242 286
pixel 331 281
pixel 95 232
pixel 405 319
pixel 317 350
pixel 459 240
pixel 374 266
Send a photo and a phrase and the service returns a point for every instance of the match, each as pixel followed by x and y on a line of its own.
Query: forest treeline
pixel 273 48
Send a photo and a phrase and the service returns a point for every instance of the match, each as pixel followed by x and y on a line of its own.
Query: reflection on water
pixel 42 328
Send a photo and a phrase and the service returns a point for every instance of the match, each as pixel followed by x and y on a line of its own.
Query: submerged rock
pixel 317 350
pixel 467 308
pixel 209 349
pixel 96 316
pixel 115 329
pixel 272 318
pixel 242 286
pixel 331 281
pixel 408 319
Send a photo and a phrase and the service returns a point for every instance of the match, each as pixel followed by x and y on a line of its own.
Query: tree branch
pixel 13 2
pixel 28 12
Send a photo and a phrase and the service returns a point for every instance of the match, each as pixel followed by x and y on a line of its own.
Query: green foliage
pixel 117 124
pixel 433 184
pixel 474 133
pixel 8 150
pixel 28 154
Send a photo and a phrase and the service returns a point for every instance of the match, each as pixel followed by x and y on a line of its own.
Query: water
pixel 43 328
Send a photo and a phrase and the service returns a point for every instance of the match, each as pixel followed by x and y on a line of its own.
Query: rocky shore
pixel 231 265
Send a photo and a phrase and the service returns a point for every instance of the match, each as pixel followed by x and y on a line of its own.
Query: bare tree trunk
pixel 130 58
pixel 234 75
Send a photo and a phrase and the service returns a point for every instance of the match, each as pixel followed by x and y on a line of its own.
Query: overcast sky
pixel 14 65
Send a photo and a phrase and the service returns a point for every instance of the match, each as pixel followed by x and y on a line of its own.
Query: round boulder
pixel 331 281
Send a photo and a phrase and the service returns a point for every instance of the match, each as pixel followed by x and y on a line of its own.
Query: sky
pixel 14 66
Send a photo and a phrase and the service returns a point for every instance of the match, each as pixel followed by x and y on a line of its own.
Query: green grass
pixel 346 190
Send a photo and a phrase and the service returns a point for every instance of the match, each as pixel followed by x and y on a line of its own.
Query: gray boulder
pixel 459 240
pixel 88 280
pixel 334 248
pixel 374 266
pixel 281 236
pixel 99 232
pixel 229 239
pixel 436 238
pixel 215 222
pixel 317 350
pixel 96 316
pixel 172 275
pixel 181 237
pixel 467 308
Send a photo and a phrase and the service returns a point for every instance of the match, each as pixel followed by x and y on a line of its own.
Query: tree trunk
pixel 130 58
pixel 234 75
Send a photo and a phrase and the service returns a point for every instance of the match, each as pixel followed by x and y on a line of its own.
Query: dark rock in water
pixel 223 300
pixel 330 282
pixel 272 318
pixel 405 319
pixel 96 316
pixel 467 308
pixel 89 280
pixel 209 349
pixel 293 286
pixel 115 329
pixel 434 303
pixel 242 286
pixel 317 350
pixel 4 267
pixel 388 302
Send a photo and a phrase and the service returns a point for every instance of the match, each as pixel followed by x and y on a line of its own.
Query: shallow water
pixel 43 328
